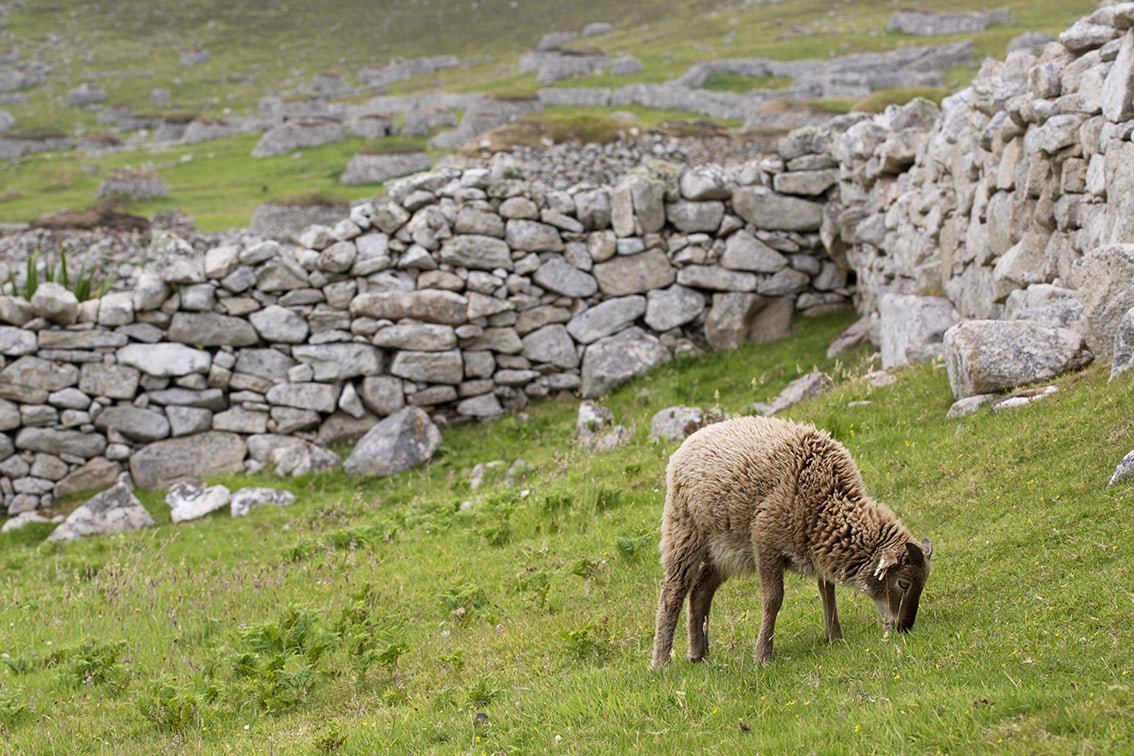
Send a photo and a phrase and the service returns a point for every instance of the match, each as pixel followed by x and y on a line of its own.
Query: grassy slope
pixel 130 48
pixel 534 604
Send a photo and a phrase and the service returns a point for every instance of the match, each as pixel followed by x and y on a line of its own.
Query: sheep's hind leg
pixel 700 601
pixel 675 586
pixel 772 582
pixel 830 611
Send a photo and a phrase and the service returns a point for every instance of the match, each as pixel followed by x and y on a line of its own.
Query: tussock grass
pixel 412 614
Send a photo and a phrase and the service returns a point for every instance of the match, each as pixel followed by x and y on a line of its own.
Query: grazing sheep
pixel 765 495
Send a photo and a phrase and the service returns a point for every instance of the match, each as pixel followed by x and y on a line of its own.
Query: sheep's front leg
pixel 700 601
pixel 772 582
pixel 830 611
pixel 675 586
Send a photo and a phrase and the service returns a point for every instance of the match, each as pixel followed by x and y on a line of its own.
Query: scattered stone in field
pixel 114 511
pixel 246 499
pixel 191 500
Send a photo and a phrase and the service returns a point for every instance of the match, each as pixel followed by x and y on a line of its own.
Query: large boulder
pixel 165 462
pixel 402 441
pixel 1104 278
pixel 986 356
pixel 910 327
pixel 611 361
pixel 114 511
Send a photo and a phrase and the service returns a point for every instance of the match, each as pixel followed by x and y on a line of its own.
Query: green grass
pixel 130 48
pixel 384 616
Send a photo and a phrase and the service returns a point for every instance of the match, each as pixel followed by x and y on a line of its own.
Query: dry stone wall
pixel 469 291
pixel 464 291
pixel 1013 200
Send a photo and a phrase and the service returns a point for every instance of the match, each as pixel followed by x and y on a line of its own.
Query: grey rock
pixel 210 399
pixel 22 520
pixel 1123 357
pixel 367 168
pixel 16 342
pixel 163 463
pixel 166 360
pixel 716 278
pixel 695 216
pixel 679 422
pixel 382 394
pixel 736 317
pixel 321 397
pixel 247 499
pixel 743 251
pixel 611 361
pixel 96 474
pixel 912 327
pixel 482 407
pixel 281 325
pixel 9 417
pixel 293 460
pixel 986 356
pixel 477 252
pixel 54 303
pixel 192 500
pixel 53 441
pixel 293 135
pixel 595 428
pixel 30 379
pixel 241 420
pixel 606 318
pixel 114 511
pixel 269 364
pixel 802 388
pixel 138 424
pixel 185 421
pixel 767 210
pixel 561 277
pixel 553 345
pixel 532 236
pixel 968 405
pixel 211 329
pixel 634 274
pixel 339 362
pixel 700 183
pixel 402 441
pixel 672 307
pixel 1104 278
pixel 431 306
pixel 420 337
pixel 429 367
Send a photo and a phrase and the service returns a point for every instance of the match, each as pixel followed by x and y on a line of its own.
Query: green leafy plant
pixel 13 709
pixel 94 663
pixel 172 708
pixel 85 286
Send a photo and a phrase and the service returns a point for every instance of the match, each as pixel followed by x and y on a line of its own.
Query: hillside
pixel 179 61
pixel 424 613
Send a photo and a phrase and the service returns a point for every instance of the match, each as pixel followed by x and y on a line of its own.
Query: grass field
pixel 414 615
pixel 131 48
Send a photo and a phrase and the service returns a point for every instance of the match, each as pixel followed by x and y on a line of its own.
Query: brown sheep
pixel 765 495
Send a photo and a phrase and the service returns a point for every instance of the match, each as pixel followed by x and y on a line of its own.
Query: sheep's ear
pixel 917 556
pixel 927 547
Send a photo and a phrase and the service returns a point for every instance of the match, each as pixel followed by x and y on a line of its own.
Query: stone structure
pixel 468 291
pixel 464 293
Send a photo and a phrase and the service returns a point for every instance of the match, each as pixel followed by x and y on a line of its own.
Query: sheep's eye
pixel 903 585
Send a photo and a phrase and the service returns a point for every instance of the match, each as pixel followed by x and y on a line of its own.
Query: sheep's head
pixel 897 582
